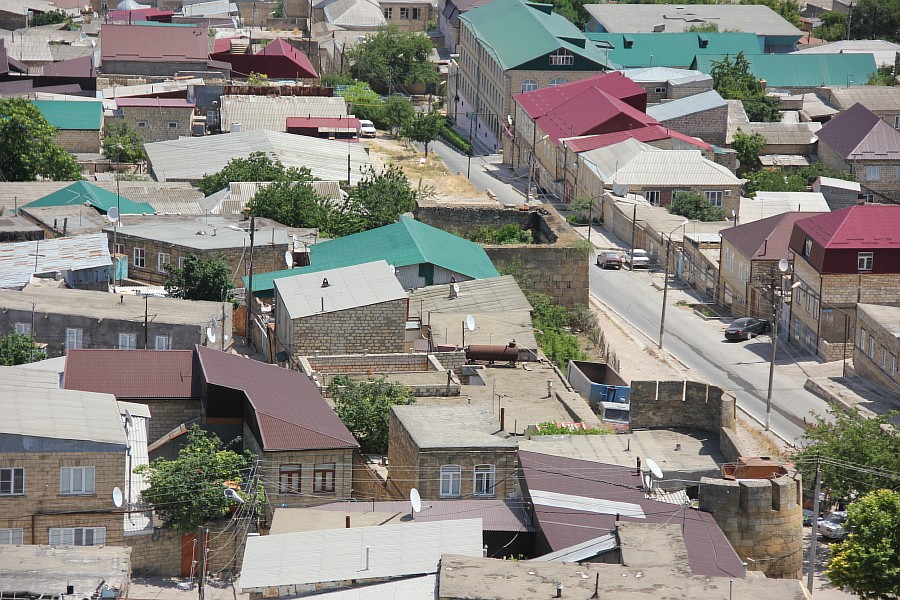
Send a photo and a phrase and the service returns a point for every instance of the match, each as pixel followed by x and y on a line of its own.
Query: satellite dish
pixel 393 268
pixel 211 335
pixel 415 500
pixel 456 288
pixel 654 468
pixel 93 43
pixel 289 259
pixel 82 36
pixel 470 323
pixel 784 265
pixel 129 420
pixel 117 497
pixel 112 215
pixel 233 495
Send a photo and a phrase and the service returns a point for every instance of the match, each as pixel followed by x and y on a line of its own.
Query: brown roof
pixel 132 373
pixel 766 239
pixel 496 515
pixel 154 44
pixel 290 413
pixel 859 133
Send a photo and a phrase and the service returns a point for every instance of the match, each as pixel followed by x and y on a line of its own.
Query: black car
pixel 746 328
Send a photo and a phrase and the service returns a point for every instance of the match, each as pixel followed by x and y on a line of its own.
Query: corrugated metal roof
pixel 155 102
pixel 885 52
pixel 71 115
pixel 82 192
pixel 791 134
pixel 802 70
pixel 150 44
pixel 290 411
pixel 864 226
pixel 494 295
pixel 452 426
pixel 118 91
pixel 650 133
pixel 627 18
pixel 676 49
pixel 835 183
pixel 271 113
pixel 132 373
pixel 873 97
pixel 414 588
pixel 205 235
pixel 659 74
pixel 766 239
pixel 689 105
pixel 582 551
pixel 189 159
pixel 858 133
pixel 496 515
pixel 340 554
pixel 353 13
pixel 19 261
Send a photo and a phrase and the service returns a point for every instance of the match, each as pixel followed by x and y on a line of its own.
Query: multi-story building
pixel 407 15
pixel 877 345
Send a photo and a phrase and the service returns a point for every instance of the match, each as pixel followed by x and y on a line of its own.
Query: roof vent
pixel 659 28
pixel 201 232
pixel 325 282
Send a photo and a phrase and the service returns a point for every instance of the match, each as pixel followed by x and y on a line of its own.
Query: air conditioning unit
pixel 726 193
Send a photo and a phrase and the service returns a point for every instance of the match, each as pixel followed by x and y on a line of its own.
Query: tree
pixel 189 490
pixel 257 79
pixel 817 169
pixel 381 197
pixel 292 203
pixel 424 128
pixel 875 19
pixel 847 448
pixel 393 59
pixel 363 102
pixel 705 28
pixel 773 180
pixel 763 109
pixel 397 112
pixel 695 207
pixel 259 166
pixel 734 79
pixel 833 27
pixel 747 147
pixel 28 148
pixel 200 279
pixel 883 76
pixel 868 561
pixel 365 406
pixel 18 349
pixel 122 143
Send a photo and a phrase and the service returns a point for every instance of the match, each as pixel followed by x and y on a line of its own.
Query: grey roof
pixel 769 204
pixel 166 197
pixel 886 316
pixel 208 9
pixel 885 52
pixel 637 18
pixel 37 378
pixel 582 551
pixel 452 426
pixel 19 261
pixel 660 74
pixel 233 199
pixel 203 234
pixel 685 106
pixel 414 588
pixel 340 554
pixel 44 570
pixel 44 412
pixel 875 98
pixel 271 113
pixel 833 182
pixel 348 287
pixel 792 134
pixel 189 159
pixel 353 14
pixel 147 89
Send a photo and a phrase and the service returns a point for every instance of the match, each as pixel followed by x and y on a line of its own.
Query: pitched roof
pixel 660 74
pixel 502 25
pixel 625 18
pixel 71 115
pixel 155 102
pixel 162 43
pixel 132 373
pixel 496 515
pixel 688 105
pixel 671 49
pixel 279 59
pixel 650 133
pixel 765 239
pixel 352 13
pixel 885 52
pixel 264 112
pixel 801 70
pixel 406 242
pixel 873 97
pixel 83 66
pixel 19 261
pixel 769 204
pixel 859 133
pixel 82 192
pixel 870 226
pixel 290 413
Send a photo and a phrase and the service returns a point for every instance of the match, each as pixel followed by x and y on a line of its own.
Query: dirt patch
pixel 431 170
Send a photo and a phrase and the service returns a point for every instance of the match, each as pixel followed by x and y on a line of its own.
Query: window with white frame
pixel 865 261
pixel 558 81
pixel 659 90
pixel 808 302
pixel 529 85
pixel 451 478
pixel 76 480
pixel 139 256
pixel 893 365
pixel 652 196
pixel 142 124
pixel 714 197
pixel 23 328
pixel 562 57
pixel 74 338
pixel 289 479
pixel 807 247
pixel 862 339
pixel 11 537
pixel 118 248
pixel 416 13
pixel 77 536
pixel 127 341
pixel 485 476
pixel 404 13
pixel 868 197
pixel 162 342
pixel 12 481
pixel 871 346
pixel 883 358
pixel 816 309
pixel 162 260
pixel 389 13
pixel 323 478
pixel 873 173
pixel 180 262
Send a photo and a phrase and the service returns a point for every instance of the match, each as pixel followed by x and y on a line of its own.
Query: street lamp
pixel 662 318
pixel 775 347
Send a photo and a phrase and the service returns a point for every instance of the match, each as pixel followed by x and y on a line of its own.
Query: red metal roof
pixel 278 60
pixel 496 515
pixel 862 227
pixel 709 552
pixel 291 414
pixel 154 44
pixel 540 102
pixel 140 14
pixel 858 133
pixel 766 239
pixel 650 133
pixel 132 373
pixel 83 66
pixel 155 102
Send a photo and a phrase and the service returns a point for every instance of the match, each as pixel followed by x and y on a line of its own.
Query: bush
pixel 560 347
pixel 449 135
pixel 551 428
pixel 507 234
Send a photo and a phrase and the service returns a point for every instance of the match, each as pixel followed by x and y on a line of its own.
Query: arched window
pixel 451 478
pixel 558 81
pixel 562 57
pixel 529 85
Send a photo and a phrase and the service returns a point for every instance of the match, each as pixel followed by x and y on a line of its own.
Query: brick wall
pixel 709 125
pixel 870 367
pixel 688 89
pixel 168 413
pixel 463 220
pixel 149 68
pixel 365 363
pixel 78 140
pixel 152 122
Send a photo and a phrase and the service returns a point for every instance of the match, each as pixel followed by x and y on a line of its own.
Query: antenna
pixel 129 420
pixel 470 322
pixel 654 468
pixel 233 495
pixel 289 259
pixel 117 497
pixel 211 335
pixel 112 215
pixel 415 500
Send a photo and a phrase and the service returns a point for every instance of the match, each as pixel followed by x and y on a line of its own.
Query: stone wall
pixel 168 413
pixel 159 554
pixel 689 404
pixel 151 68
pixel 832 351
pixel 365 363
pixel 82 141
pixel 463 220
pixel 369 485
pixel 709 125
pixel 683 90
pixel 153 122
pixel 378 328
pixel 762 519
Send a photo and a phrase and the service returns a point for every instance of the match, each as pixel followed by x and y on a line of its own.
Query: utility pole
pixel 249 294
pixel 772 362
pixel 633 230
pixel 201 576
pixel 146 320
pixel 662 317
pixel 814 536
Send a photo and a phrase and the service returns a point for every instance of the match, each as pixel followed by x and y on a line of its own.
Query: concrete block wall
pixel 688 89
pixel 430 462
pixel 78 140
pixel 561 272
pixel 871 368
pixel 681 404
pixel 709 125
pixel 378 328
pixel 156 121
pixel 403 461
pixel 368 485
pixel 168 413
pixel 367 363
pixel 762 520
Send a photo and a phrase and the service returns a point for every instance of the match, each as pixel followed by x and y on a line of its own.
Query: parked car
pixel 366 128
pixel 746 328
pixel 832 526
pixel 640 260
pixel 609 259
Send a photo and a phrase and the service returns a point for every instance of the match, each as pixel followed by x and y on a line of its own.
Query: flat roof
pixel 45 570
pixel 19 261
pixel 204 234
pixel 637 18
pixel 452 426
pixel 886 316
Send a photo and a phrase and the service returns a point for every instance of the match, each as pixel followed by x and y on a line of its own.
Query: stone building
pixel 458 451
pixel 838 193
pixel 665 83
pixel 157 119
pixel 78 123
pixel 161 49
pixel 356 309
pixel 407 15
pixel 703 116
pixel 877 345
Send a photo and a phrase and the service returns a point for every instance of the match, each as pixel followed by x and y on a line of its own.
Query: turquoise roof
pixel 82 192
pixel 633 50
pixel 74 114
pixel 407 242
pixel 518 32
pixel 803 70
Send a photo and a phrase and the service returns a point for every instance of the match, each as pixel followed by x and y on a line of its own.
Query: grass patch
pixel 553 428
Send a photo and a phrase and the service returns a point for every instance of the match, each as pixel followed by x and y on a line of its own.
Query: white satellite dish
pixel 211 335
pixel 93 43
pixel 289 259
pixel 415 500
pixel 233 495
pixel 784 265
pixel 112 215
pixel 654 468
pixel 393 268
pixel 456 288
pixel 118 499
pixel 470 323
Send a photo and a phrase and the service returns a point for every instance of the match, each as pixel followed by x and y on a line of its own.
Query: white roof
pixel 637 18
pixel 19 261
pixel 122 91
pixel 233 199
pixel 581 551
pixel 884 52
pixel 769 204
pixel 686 106
pixel 652 74
pixel 348 287
pixel 271 113
pixel 311 557
pixel 189 159
pixel 836 183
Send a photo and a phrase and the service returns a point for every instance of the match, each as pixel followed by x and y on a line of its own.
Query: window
pixel 77 536
pixel 807 247
pixel 714 197
pixel 816 309
pixel 451 476
pixel 893 365
pixel 173 125
pixel 484 480
pixel 896 121
pixel 389 12
pixel 808 301
pixel 289 479
pixel 74 338
pixel 529 85
pixel 323 478
pixel 868 197
pixel 862 339
pixel 652 196
pixel 562 57
pixel 139 257
pixel 11 536
pixel 659 90
pixel 162 342
pixel 883 358
pixel 12 482
pixel 416 14
pixel 76 480
pixel 897 174
pixel 864 261
pixel 142 124
pixel 127 341
pixel 873 173
pixel 557 81
pixel 23 328
pixel 162 259
pixel 119 249
pixel 404 13
pixel 180 262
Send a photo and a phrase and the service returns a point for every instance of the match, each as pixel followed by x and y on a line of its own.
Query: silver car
pixel 832 526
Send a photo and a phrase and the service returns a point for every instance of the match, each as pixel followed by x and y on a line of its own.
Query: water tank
pixel 235 128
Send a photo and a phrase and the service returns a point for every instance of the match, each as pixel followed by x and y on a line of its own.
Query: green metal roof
pixel 407 242
pixel 632 50
pixel 82 192
pixel 518 32
pixel 803 70
pixel 75 114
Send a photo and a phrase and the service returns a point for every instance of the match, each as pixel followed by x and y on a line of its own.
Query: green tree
pixel 292 203
pixel 773 180
pixel 334 79
pixel 573 10
pixel 393 59
pixel 868 561
pixel 814 170
pixel 586 208
pixel 695 207
pixel 200 279
pixel 28 150
pixel 763 109
pixel 397 112
pixel 189 491
pixel 847 448
pixel 705 28
pixel 747 147
pixel 507 234
pixel 18 349
pixel 883 76
pixel 122 143
pixel 380 198
pixel 875 19
pixel 259 166
pixel 365 407
pixel 258 79
pixel 424 128
pixel 789 10
pixel 733 79
pixel 833 27
pixel 48 18
pixel 363 102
